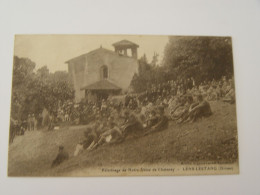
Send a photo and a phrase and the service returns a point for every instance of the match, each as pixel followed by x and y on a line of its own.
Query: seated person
pixel 230 96
pixel 199 109
pixel 140 116
pixel 185 112
pixel 149 106
pixel 158 101
pixel 112 135
pixel 132 126
pixel 133 104
pixel 165 102
pixel 204 90
pixel 61 156
pixel 173 102
pixel 179 109
pixel 103 126
pixel 143 109
pixel 125 116
pixel 96 127
pixel 210 93
pixel 152 120
pixel 90 139
pixel 219 91
pixel 162 122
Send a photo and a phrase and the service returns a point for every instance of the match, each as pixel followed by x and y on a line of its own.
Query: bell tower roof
pixel 121 48
pixel 125 44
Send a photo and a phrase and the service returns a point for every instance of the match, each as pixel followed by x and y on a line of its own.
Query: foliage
pixel 149 74
pixel 142 79
pixel 203 58
pixel 34 90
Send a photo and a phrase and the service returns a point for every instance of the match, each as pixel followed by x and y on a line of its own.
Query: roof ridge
pixel 95 50
pixel 126 41
pixel 102 85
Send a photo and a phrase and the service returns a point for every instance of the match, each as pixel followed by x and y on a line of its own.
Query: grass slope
pixel 212 139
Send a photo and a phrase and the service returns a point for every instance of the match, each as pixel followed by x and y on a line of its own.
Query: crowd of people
pixel 163 93
pixel 135 115
pixel 113 120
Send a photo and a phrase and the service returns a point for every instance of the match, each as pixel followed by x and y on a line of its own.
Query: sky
pixel 54 50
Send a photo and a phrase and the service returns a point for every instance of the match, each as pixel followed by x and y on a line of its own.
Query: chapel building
pixel 102 72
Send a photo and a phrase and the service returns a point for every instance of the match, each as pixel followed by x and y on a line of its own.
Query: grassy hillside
pixel 211 139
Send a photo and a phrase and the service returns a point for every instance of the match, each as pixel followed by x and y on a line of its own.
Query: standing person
pixel 51 125
pixel 66 117
pixel 14 127
pixel 35 123
pixel 39 121
pixel 189 83
pixel 29 123
pixel 103 107
pixel 32 122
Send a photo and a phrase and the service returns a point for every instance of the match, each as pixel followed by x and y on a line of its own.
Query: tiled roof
pixel 125 43
pixel 96 51
pixel 101 85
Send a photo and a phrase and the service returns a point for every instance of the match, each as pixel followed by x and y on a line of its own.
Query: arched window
pixel 104 72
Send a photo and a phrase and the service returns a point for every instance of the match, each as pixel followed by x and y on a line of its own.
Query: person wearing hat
pixel 61 156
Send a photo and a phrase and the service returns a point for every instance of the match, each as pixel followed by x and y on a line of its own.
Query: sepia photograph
pixel 122 105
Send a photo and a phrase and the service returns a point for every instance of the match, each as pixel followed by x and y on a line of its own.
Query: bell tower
pixel 122 48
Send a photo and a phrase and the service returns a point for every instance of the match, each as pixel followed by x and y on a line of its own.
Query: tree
pixel 203 58
pixel 22 77
pixel 140 81
pixel 31 91
pixel 43 72
pixel 22 69
pixel 155 59
pixel 148 74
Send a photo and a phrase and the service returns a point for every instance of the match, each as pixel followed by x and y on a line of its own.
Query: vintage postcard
pixel 122 105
